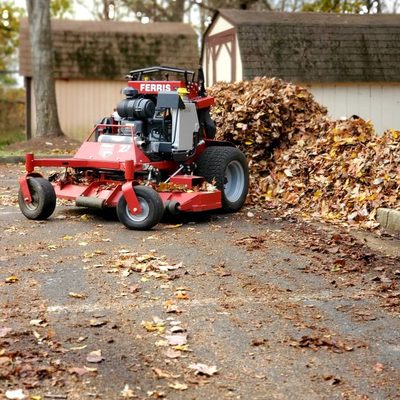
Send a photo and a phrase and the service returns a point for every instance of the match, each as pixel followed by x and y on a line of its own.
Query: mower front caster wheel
pixel 43 199
pixel 151 205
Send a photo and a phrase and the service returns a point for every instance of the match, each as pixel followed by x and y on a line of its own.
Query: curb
pixel 12 159
pixel 389 219
pixel 21 159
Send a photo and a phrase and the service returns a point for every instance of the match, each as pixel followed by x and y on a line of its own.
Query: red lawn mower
pixel 157 153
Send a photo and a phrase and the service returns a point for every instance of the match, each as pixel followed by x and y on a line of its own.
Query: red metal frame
pixel 127 158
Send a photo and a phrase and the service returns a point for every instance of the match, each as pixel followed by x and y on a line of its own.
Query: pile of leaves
pixel 301 161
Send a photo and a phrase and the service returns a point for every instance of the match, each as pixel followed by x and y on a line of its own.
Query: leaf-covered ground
pixel 225 306
pixel 303 163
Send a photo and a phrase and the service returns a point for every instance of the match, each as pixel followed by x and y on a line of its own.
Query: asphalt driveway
pixel 243 306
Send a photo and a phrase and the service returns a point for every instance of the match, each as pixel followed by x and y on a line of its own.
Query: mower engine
pixel 167 119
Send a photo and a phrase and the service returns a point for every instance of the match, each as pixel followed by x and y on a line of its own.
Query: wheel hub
pixel 234 181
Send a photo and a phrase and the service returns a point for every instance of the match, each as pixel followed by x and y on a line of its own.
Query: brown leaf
pixel 12 279
pixel 177 340
pixel 203 369
pixel 171 353
pixel 94 357
pixel 378 367
pixel 4 331
pixel 160 374
pixel 97 322
pixel 178 386
pixel 77 295
pixel 78 371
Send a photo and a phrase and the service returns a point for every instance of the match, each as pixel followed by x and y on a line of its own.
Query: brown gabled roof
pixel 110 49
pixel 318 47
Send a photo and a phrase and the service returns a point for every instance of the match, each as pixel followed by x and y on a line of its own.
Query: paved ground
pixel 281 309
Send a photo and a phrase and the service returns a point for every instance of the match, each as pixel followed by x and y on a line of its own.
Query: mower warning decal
pixel 106 150
pixel 124 148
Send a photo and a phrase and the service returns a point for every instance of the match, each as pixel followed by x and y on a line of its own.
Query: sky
pixel 80 11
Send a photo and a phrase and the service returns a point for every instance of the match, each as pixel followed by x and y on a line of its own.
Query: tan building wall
pixel 379 103
pixel 223 61
pixel 83 103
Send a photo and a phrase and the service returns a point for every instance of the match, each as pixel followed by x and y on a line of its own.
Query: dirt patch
pixel 50 145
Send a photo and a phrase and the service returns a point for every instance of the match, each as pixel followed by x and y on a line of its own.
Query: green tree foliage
pixel 9 27
pixel 12 115
pixel 60 8
pixel 344 6
pixel 181 10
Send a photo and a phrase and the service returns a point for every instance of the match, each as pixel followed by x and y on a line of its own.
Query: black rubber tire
pixel 216 163
pixel 43 199
pixel 152 209
pixel 172 207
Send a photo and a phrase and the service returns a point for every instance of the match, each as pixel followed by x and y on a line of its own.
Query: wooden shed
pixel 351 63
pixel 92 59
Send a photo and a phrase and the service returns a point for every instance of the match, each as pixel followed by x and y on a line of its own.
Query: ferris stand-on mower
pixel 155 154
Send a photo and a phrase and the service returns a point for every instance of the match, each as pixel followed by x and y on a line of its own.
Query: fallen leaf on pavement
pixel 77 295
pixel 166 268
pixel 38 322
pixel 177 329
pixel 178 386
pixel 315 342
pixel 176 340
pixel 155 394
pixel 94 357
pixel 127 393
pixel 4 331
pixel 80 371
pixel 160 374
pixel 97 322
pixel 153 326
pixel 5 360
pixel 89 369
pixel 173 226
pixel 332 380
pixel 78 347
pixel 180 295
pixel 37 335
pixel 134 288
pixel 203 369
pixel 16 394
pixel 182 347
pixel 378 367
pixel 259 342
pixel 171 353
pixel 170 307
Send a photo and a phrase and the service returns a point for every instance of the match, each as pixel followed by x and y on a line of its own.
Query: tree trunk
pixel 47 123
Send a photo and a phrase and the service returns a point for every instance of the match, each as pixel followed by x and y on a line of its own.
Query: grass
pixel 10 136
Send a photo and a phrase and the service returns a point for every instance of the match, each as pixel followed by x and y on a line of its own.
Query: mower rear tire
pixel 43 199
pixel 227 166
pixel 152 209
